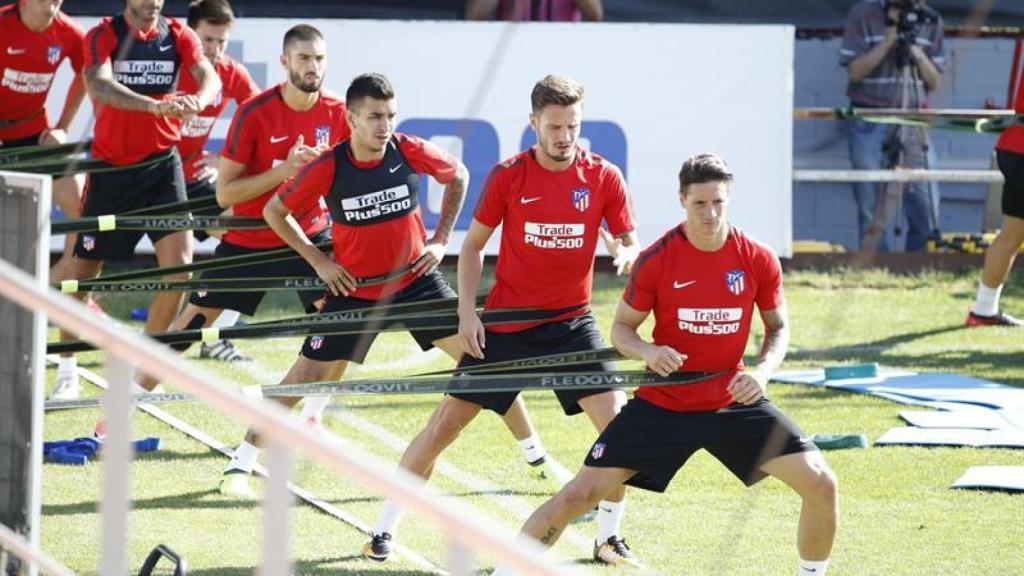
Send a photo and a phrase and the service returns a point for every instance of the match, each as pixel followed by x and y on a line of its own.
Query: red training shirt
pixel 236 84
pixel 703 305
pixel 261 133
pixel 1012 139
pixel 381 247
pixel 28 62
pixel 123 137
pixel 549 229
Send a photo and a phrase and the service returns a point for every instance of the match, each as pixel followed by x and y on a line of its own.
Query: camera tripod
pixel 905 147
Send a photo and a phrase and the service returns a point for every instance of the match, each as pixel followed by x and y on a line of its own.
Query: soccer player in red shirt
pixel 35 38
pixel 272 135
pixel 550 202
pixel 132 61
pixel 999 256
pixel 702 280
pixel 212 21
pixel 370 183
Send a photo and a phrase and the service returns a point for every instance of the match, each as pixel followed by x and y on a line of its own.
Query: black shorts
pixel 21 142
pixel 1012 167
pixel 202 189
pixel 354 347
pixel 247 302
pixel 577 334
pixel 119 191
pixel 657 442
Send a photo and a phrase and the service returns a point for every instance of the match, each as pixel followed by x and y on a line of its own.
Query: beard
pixel 308 87
pixel 145 13
pixel 559 155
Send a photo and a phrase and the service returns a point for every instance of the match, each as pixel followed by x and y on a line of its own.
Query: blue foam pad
pixel 916 388
pixel 1009 478
pixel 973 412
pixel 977 419
pixel 845 371
pixel 911 436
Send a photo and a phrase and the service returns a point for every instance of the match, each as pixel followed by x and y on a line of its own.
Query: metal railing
pixel 467 533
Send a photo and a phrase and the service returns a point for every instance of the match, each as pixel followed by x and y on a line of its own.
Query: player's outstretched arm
pixel 208 81
pixel 72 102
pixel 662 359
pixel 471 266
pixel 749 386
pixel 451 204
pixel 776 340
pixel 104 89
pixel 280 220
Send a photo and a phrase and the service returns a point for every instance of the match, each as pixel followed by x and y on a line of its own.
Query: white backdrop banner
pixel 656 94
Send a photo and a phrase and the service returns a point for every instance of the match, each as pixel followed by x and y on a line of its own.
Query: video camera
pixel 912 14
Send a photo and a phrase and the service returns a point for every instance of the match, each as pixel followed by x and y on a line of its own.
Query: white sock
pixel 533 449
pixel 244 458
pixel 227 319
pixel 812 567
pixel 609 519
pixel 503 571
pixel 313 406
pixel 67 366
pixel 388 519
pixel 986 302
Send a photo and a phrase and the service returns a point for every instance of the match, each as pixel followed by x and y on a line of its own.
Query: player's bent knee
pixel 578 496
pixel 823 488
pixel 444 429
pixel 309 370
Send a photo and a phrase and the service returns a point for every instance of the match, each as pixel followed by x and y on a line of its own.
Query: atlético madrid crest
pixel 597 451
pixel 734 281
pixel 316 342
pixel 53 54
pixel 323 135
pixel 581 199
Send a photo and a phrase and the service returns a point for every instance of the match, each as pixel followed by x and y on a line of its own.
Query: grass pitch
pixel 898 515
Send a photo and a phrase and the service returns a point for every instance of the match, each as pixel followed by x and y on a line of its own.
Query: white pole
pixel 277 511
pixel 115 504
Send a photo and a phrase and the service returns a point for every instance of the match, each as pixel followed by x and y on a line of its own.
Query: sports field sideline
pixel 898 515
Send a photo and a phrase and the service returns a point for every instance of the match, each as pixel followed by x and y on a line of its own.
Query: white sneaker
pixel 223 350
pixel 614 552
pixel 67 388
pixel 549 469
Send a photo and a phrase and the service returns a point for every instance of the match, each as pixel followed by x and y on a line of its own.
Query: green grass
pixel 898 516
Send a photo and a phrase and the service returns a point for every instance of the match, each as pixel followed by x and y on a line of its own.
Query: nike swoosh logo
pixel 276 139
pixel 166 47
pixel 15 51
pixel 605 509
pixel 682 284
pixel 394 169
pixel 528 200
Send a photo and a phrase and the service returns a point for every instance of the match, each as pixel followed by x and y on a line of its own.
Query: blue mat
pixel 913 388
pixel 911 436
pixel 967 411
pixel 981 419
pixel 1009 478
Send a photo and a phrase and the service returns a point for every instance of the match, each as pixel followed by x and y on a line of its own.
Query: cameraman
pixel 893 52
